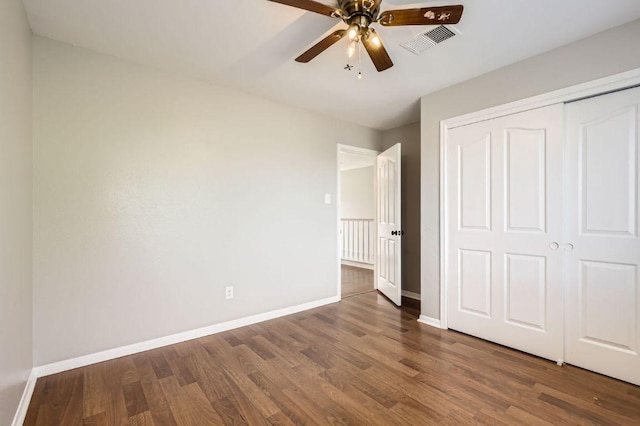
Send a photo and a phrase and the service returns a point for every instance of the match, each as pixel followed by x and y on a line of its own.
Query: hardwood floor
pixel 360 361
pixel 355 280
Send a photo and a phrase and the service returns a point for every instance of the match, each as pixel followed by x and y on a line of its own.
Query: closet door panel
pixel 474 177
pixel 503 191
pixel 525 179
pixel 603 250
pixel 606 147
pixel 526 291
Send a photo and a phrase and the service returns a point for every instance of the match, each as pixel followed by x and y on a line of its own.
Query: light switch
pixel 327 198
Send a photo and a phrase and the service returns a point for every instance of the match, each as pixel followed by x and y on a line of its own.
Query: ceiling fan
pixel 360 14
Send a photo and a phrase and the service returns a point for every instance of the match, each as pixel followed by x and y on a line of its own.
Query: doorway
pixel 356 220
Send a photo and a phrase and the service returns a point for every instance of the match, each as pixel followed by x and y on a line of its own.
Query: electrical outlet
pixel 228 292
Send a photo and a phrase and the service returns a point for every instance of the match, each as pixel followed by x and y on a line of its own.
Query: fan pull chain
pixel 359 60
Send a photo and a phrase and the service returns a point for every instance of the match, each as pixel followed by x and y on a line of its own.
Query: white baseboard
pixel 356 264
pixel 23 406
pixel 70 364
pixel 433 322
pixel 410 295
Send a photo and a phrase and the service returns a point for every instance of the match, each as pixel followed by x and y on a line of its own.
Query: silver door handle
pixel 568 247
pixel 554 246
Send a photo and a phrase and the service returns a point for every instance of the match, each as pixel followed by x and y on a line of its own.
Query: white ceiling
pixel 251 45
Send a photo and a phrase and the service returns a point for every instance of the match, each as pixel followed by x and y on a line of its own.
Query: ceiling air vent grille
pixel 428 40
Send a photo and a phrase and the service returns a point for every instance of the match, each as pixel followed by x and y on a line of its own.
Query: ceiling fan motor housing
pixel 359 12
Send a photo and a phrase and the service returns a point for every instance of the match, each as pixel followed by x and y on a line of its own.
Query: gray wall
pixel 409 136
pixel 15 207
pixel 357 193
pixel 153 192
pixel 601 55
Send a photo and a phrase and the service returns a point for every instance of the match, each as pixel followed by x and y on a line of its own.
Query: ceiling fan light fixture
pixel 353 32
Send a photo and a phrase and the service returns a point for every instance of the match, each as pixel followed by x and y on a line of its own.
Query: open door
pixel 388 265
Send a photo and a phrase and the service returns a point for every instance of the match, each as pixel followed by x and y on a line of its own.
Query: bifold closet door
pixel 603 250
pixel 503 230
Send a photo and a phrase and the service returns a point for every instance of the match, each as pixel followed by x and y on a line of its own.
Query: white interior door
pixel 603 250
pixel 503 267
pixel 388 260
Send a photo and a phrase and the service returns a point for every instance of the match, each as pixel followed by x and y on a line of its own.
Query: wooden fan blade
pixel 321 46
pixel 310 5
pixel 441 15
pixel 378 53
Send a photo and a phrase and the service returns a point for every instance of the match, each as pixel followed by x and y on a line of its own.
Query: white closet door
pixel 603 257
pixel 504 225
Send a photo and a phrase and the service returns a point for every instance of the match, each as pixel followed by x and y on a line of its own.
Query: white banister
pixel 357 240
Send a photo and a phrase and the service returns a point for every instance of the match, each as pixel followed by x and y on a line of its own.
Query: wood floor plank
pixel 280 419
pixel 188 404
pixel 361 361
pixel 371 411
pixel 142 419
pixel 156 400
pixel 411 414
pixel 441 400
pixel 95 393
pixel 243 386
pixel 228 411
pixel 62 399
pixel 129 371
pixel 317 407
pixel 72 413
pixel 160 365
pixel 284 403
pixel 241 407
pixel 492 417
pixel 259 348
pixel 177 364
pixel 305 403
pixel 356 280
pixel 99 419
pixel 134 399
pixel 586 409
pixel 385 353
pixel 37 399
pixel 383 393
pixel 279 337
pixel 47 415
pixel 519 416
pixel 340 405
pixel 210 375
pixel 113 372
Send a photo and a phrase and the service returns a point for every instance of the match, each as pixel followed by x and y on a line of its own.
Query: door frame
pixel 369 153
pixel 601 86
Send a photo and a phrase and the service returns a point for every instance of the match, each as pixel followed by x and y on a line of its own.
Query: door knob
pixel 568 247
pixel 554 246
pixel 397 232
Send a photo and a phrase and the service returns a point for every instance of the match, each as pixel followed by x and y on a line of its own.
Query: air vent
pixel 429 39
